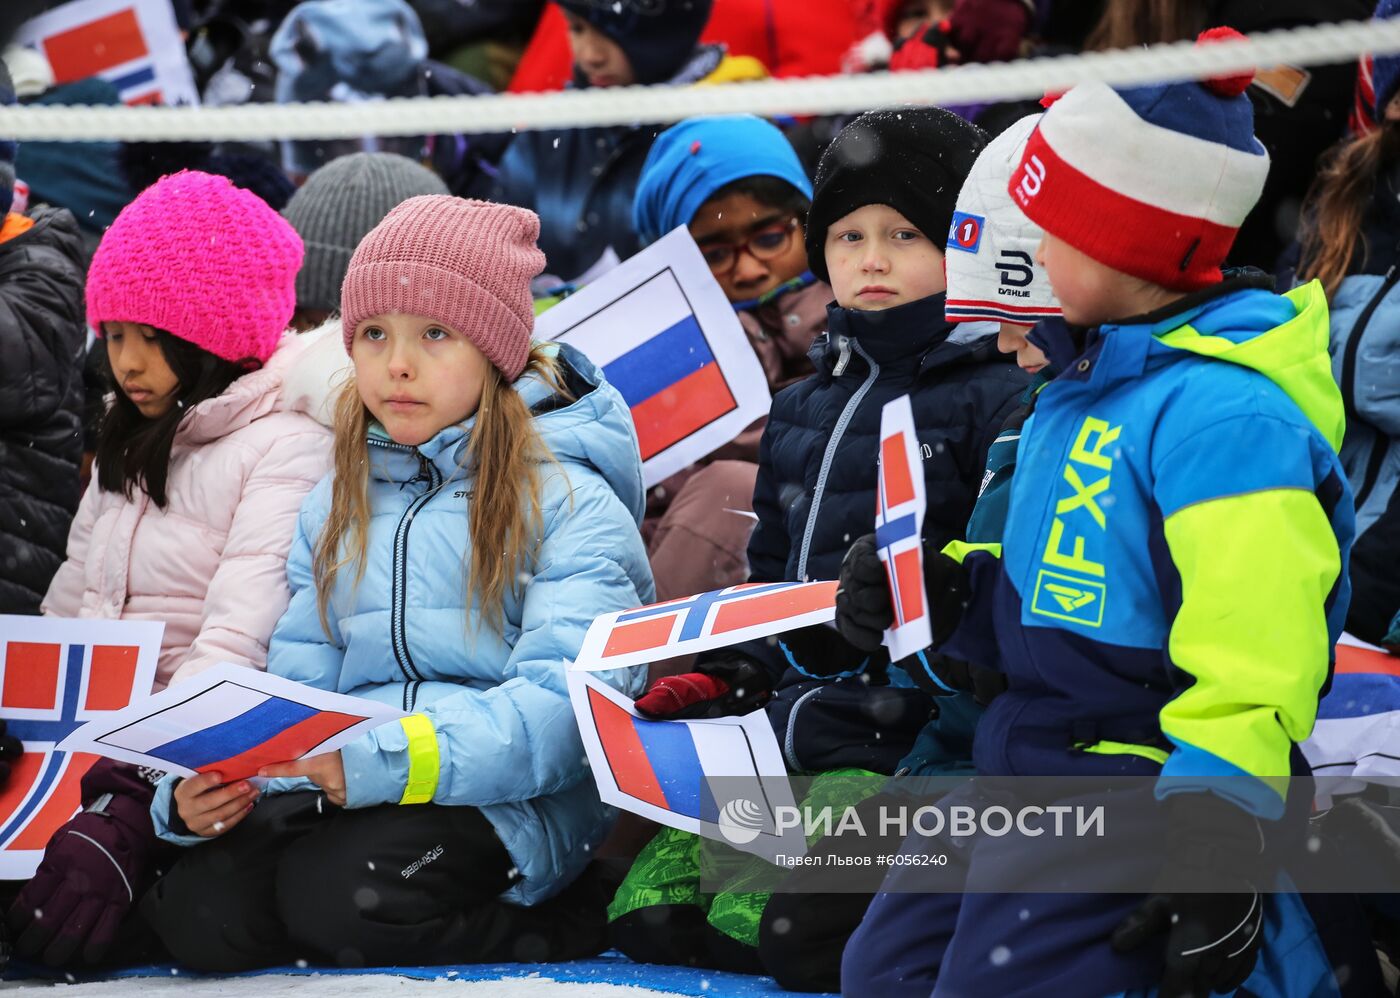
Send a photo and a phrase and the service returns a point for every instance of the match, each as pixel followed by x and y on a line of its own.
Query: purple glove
pixel 988 30
pixel 95 869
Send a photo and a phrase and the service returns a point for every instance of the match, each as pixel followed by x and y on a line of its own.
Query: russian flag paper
pixel 1357 735
pixel 56 675
pixel 666 337
pixel 230 720
pixel 133 44
pixel 899 522
pixel 722 778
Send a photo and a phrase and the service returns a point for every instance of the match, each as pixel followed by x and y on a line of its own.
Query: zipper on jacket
pixel 398 597
pixel 845 343
pixel 790 735
pixel 1353 348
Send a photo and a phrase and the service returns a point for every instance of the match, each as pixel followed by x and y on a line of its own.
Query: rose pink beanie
pixel 203 260
pixel 467 264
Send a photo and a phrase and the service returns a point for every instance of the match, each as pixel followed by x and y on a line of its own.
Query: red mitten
pixel 924 50
pixel 672 695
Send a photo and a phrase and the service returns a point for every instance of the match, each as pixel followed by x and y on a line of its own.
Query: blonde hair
pixel 505 521
pixel 1337 202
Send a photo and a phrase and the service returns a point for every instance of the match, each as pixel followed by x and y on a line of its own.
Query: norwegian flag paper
pixel 57 675
pixel 899 527
pixel 698 623
pixel 231 720
pixel 666 338
pixel 722 778
pixel 133 44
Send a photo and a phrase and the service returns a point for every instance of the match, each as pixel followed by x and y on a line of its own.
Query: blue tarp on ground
pixel 610 968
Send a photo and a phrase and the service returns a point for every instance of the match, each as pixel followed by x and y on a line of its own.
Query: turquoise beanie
pixel 692 160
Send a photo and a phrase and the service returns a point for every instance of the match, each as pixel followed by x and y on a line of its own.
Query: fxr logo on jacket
pixel 1078 597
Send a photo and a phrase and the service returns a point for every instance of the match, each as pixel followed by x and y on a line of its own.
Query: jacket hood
pixel 1283 337
pixel 261 392
pixel 314 375
pixel 595 430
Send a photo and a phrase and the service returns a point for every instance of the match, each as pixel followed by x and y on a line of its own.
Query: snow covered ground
pixel 334 986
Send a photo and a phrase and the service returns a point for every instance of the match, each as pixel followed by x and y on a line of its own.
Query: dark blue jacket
pixel 41 401
pixel 815 492
pixel 581 181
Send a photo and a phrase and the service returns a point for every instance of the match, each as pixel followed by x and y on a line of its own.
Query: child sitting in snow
pixel 738 185
pixel 482 510
pixel 204 456
pixel 883 200
pixel 1172 577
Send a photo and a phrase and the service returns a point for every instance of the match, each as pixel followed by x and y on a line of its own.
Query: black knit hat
pixel 914 160
pixel 657 36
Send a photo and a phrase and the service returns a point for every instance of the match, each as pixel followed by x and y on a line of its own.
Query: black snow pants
pixel 301 879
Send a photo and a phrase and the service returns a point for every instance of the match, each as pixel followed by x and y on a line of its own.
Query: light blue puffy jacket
pixel 506 736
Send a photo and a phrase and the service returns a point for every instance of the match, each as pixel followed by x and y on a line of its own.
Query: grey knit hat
pixel 337 207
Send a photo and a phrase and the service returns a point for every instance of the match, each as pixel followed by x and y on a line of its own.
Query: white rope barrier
pixel 1029 78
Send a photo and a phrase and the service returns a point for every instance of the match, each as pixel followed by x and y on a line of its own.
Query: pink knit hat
pixel 467 264
pixel 204 260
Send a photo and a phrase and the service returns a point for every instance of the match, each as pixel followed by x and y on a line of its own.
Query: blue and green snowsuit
pixel 1165 602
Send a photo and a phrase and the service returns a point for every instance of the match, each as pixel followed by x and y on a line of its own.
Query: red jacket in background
pixel 790 38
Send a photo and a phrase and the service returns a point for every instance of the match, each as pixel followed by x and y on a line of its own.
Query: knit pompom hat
pixel 467 264
pixel 990 257
pixel 914 160
pixel 337 207
pixel 1152 181
pixel 203 260
pixel 1385 72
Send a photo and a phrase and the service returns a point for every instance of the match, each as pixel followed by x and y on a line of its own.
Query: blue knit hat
pixel 657 36
pixel 8 148
pixel 692 160
pixel 1386 72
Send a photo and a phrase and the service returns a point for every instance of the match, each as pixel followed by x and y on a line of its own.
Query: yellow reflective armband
pixel 423 762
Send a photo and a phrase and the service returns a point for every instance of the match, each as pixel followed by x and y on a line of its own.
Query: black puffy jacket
pixel 817 462
pixel 42 336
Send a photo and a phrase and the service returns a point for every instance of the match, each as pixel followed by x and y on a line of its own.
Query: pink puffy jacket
pixel 213 564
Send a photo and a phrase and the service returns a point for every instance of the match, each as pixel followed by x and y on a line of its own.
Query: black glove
pixel 10 750
pixel 985 685
pixel 863 607
pixel 723 687
pixel 1209 910
pixel 822 653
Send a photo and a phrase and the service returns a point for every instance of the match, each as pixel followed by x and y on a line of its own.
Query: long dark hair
pixel 1336 204
pixel 133 452
pixel 1130 23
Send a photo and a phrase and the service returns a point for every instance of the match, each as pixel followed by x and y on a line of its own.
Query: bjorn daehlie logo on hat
pixel 1032 178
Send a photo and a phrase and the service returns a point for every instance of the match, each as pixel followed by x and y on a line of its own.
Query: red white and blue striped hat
pixel 1152 181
